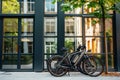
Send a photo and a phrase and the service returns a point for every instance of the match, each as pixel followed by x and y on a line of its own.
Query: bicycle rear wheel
pixel 93 66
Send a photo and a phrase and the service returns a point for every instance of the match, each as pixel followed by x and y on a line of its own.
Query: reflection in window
pixel 93 44
pixel 10 7
pixel 50 46
pixel 108 24
pixel 75 11
pixel 10 45
pixel 88 10
pixel 27 27
pixel 27 6
pixel 69 26
pixel 49 7
pixel 92 27
pixel 27 45
pixel 73 26
pixel 10 27
pixel 50 26
pixel 72 43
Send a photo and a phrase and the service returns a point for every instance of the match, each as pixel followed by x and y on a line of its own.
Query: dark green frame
pixel 38 63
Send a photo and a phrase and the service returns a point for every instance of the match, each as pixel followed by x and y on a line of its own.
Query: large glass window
pixel 17 43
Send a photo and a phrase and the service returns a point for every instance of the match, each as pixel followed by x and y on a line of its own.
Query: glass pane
pixel 73 26
pixel 27 53
pixel 50 46
pixel 27 27
pixel 110 60
pixel 26 61
pixel 72 43
pixel 27 45
pixel 9 61
pixel 50 28
pixel 93 44
pixel 108 25
pixel 90 10
pixel 28 6
pixel 110 44
pixel 50 8
pixel 92 27
pixel 10 45
pixel 10 27
pixel 75 11
pixel 10 7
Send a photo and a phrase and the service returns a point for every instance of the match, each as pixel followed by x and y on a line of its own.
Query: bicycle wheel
pixel 53 67
pixel 93 66
pixel 80 67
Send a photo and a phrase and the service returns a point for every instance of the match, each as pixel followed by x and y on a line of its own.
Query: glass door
pixel 17 46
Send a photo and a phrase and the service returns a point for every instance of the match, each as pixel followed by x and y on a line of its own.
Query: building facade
pixel 33 30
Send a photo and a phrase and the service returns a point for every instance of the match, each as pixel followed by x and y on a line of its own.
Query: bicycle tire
pixel 80 67
pixel 96 68
pixel 56 71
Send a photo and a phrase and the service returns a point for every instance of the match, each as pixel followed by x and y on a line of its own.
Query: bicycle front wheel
pixel 93 66
pixel 54 69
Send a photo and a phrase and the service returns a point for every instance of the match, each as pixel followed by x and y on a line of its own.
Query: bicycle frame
pixel 66 57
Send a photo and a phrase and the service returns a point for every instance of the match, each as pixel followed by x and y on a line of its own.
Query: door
pixel 17 45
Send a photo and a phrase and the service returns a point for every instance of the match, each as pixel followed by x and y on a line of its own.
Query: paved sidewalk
pixel 47 76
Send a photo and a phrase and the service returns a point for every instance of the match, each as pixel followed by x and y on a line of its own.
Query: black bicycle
pixel 79 60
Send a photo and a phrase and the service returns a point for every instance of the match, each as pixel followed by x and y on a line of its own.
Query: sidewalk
pixel 48 76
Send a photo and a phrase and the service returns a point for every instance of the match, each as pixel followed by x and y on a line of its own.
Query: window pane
pixel 27 45
pixel 72 43
pixel 108 25
pixel 50 28
pixel 93 44
pixel 75 11
pixel 26 61
pixel 27 27
pixel 9 61
pixel 50 8
pixel 10 27
pixel 90 10
pixel 27 6
pixel 10 45
pixel 50 45
pixel 73 26
pixel 10 7
pixel 92 27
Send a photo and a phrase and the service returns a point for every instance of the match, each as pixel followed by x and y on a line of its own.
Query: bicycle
pixel 79 60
